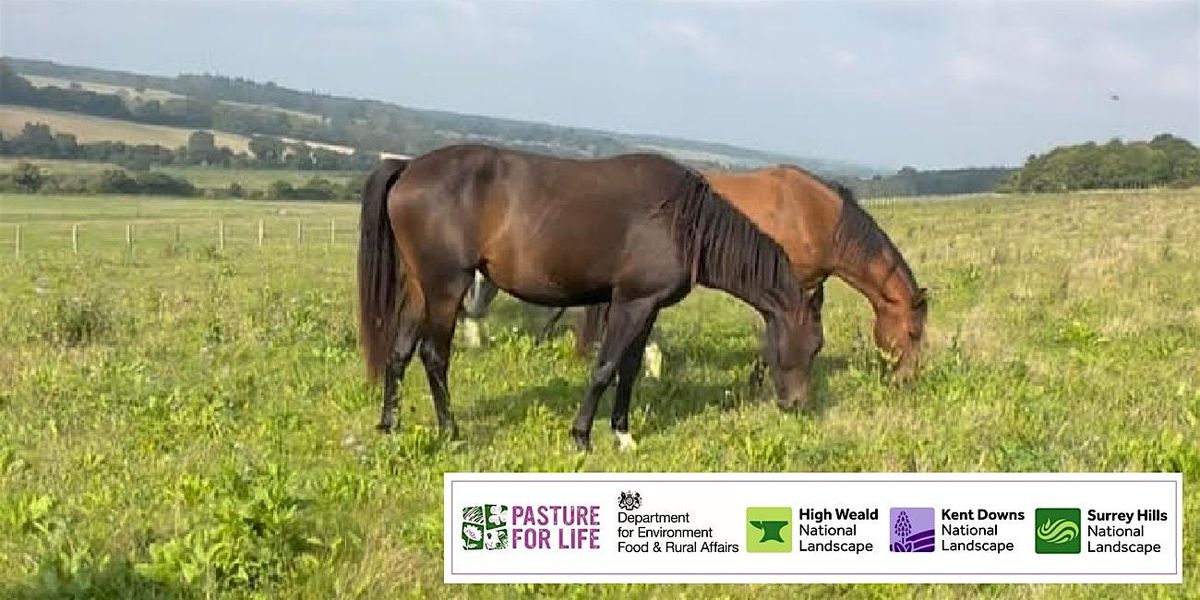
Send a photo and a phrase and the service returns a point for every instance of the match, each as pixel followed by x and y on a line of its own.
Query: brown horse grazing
pixel 641 229
pixel 824 231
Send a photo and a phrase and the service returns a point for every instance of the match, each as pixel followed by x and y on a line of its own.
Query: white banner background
pixel 719 500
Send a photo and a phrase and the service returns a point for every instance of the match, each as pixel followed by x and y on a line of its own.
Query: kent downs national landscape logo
pixel 912 530
pixel 485 527
pixel 1057 530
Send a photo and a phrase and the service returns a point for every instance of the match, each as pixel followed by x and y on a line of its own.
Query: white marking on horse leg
pixel 471 333
pixel 653 359
pixel 626 440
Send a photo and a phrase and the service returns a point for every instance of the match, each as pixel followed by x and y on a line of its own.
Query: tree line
pixel 1165 160
pixel 38 140
pixel 29 178
pixel 912 182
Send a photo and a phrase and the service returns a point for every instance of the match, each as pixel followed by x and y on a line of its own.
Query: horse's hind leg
pixel 627 373
pixel 402 351
pixel 625 323
pixel 480 294
pixel 550 323
pixel 441 309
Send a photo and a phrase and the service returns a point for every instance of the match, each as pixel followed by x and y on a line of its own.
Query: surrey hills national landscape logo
pixel 912 530
pixel 769 529
pixel 485 527
pixel 1057 530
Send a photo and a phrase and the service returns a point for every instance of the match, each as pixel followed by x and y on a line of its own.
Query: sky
pixel 881 83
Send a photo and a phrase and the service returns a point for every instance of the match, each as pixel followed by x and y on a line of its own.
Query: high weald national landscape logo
pixel 769 529
pixel 485 527
pixel 1057 531
pixel 911 530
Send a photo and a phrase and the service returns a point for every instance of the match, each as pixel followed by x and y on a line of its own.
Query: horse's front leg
pixel 626 322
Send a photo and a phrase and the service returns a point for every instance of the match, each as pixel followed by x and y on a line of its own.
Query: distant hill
pixel 247 107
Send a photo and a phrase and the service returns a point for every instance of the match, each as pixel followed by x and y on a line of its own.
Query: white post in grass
pixel 300 232
pixel 332 231
pixel 17 242
pixel 220 234
pixel 260 233
pixel 75 238
pixel 129 236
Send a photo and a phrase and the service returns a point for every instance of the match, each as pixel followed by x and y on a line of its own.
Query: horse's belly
pixel 541 283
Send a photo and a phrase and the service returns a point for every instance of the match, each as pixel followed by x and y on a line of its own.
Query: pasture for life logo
pixel 1057 531
pixel 912 530
pixel 769 529
pixel 485 527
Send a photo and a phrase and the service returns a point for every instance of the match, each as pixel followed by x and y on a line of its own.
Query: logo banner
pixel 813 527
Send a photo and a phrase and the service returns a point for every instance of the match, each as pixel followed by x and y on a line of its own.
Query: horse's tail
pixel 380 275
pixel 591 328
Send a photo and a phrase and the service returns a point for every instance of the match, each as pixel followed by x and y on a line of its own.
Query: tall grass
pixel 194 422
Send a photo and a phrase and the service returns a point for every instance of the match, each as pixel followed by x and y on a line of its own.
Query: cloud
pixel 842 57
pixel 695 40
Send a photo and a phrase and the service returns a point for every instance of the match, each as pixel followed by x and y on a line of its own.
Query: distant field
pixel 102 88
pixel 181 421
pixel 204 177
pixel 149 94
pixel 98 129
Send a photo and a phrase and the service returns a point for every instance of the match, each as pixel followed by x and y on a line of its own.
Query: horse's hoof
pixel 625 441
pixel 383 428
pixel 583 440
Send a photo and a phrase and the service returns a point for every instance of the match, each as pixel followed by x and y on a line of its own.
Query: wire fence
pixel 219 234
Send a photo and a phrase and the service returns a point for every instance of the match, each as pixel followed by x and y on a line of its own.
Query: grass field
pixel 181 421
pixel 203 177
pixel 88 129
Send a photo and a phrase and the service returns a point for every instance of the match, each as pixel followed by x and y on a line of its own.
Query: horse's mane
pixel 724 249
pixel 857 238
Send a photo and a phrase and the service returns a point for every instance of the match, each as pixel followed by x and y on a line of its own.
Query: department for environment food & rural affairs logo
pixel 912 530
pixel 630 500
pixel 485 527
pixel 1057 531
pixel 769 529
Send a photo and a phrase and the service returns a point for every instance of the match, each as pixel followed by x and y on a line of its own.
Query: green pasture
pixel 181 419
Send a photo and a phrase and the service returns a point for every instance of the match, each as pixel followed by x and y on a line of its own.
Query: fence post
pixel 129 236
pixel 300 232
pixel 332 231
pixel 220 234
pixel 75 238
pixel 17 239
pixel 177 234
pixel 260 233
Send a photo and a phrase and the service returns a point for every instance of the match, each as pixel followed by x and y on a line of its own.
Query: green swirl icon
pixel 1058 531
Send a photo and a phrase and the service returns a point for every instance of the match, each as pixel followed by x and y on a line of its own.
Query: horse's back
pixel 794 208
pixel 549 229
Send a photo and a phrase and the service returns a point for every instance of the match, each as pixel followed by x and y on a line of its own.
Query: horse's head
pixel 792 340
pixel 899 331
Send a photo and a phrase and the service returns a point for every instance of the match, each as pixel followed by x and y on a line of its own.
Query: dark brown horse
pixel 824 232
pixel 637 231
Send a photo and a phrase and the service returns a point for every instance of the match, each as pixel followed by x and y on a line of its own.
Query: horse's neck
pixel 760 300
pixel 882 280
